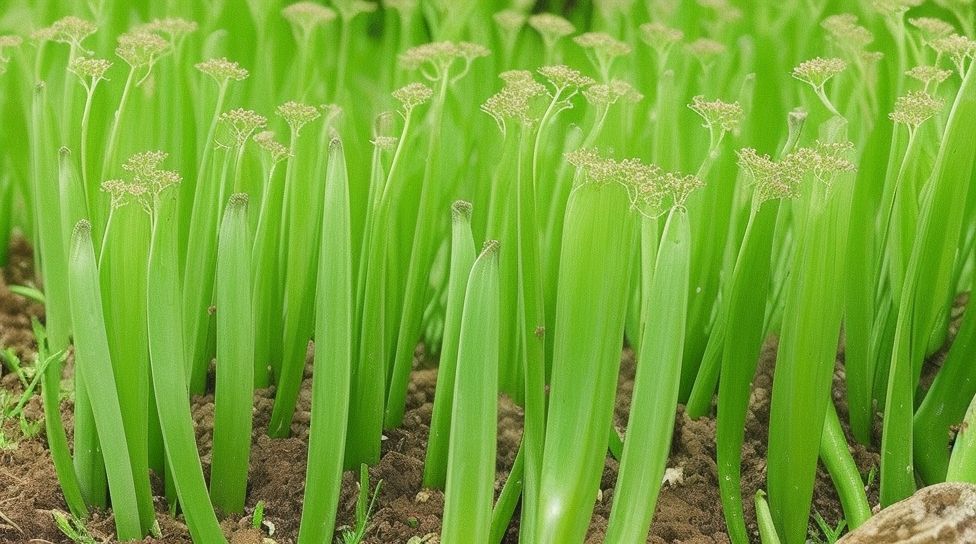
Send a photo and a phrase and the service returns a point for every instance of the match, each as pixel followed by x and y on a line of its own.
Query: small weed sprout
pixel 816 73
pixel 365 503
pixel 73 528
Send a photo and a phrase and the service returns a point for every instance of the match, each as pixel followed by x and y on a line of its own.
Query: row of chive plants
pixel 226 181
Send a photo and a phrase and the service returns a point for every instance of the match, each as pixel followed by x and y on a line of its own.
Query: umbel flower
pixel 551 27
pixel 915 108
pixel 958 48
pixel 222 70
pixel 435 60
pixel 241 123
pixel 929 74
pixel 651 189
pixel 412 95
pixel 141 49
pixel 297 115
pixel 518 101
pixel 72 30
pixel 717 114
pixel 266 141
pixel 771 178
pixel 147 180
pixel 305 17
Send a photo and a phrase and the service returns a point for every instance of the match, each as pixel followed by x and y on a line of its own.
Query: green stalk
pixel 945 404
pixel 767 529
pixel 836 456
pixel 808 348
pixel 303 217
pixel 81 483
pixel 92 353
pixel 962 463
pixel 418 267
pixel 740 354
pixel 589 331
pixel 471 458
pixel 123 296
pixel 235 365
pixel 927 288
pixel 334 338
pixel 267 304
pixel 531 323
pixel 508 498
pixel 655 397
pixel 462 259
pixel 166 356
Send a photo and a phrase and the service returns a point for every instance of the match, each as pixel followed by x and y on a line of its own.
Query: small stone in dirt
pixel 939 513
pixel 674 476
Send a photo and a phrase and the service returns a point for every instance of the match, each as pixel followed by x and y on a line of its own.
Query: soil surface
pixel 688 510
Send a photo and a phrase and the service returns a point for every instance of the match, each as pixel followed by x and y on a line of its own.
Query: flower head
pixel 706 50
pixel 894 8
pixel 147 180
pixel 660 36
pixel 242 123
pixel 551 27
pixel 717 114
pixel 412 95
pixel 958 48
pixel 307 16
pixel 351 8
pixel 509 20
pixel 517 99
pixel 297 114
pixel 929 74
pixel 9 42
pixel 564 77
pixel 72 30
pixel 607 94
pixel 816 72
pixel 915 108
pixel 175 28
pixel 435 59
pixel 140 49
pixel 222 70
pixel 602 44
pixel 932 28
pixel 651 190
pixel 91 68
pixel 266 141
pixel 772 179
pixel 846 33
pixel 826 160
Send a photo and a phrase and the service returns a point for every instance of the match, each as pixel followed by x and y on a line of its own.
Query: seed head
pixel 551 27
pixel 174 28
pixel 929 74
pixel 41 35
pixel 706 50
pixel 818 71
pixel 147 180
pixel 351 8
pixel 724 11
pixel 297 115
pixel 412 95
pixel 932 28
pixel 306 16
pixel 92 68
pixel 717 114
pixel 826 160
pixel 72 30
pixel 958 48
pixel 140 49
pixel 894 8
pixel 9 42
pixel 403 6
pixel 846 33
pixel 266 141
pixel 564 77
pixel 516 101
pixel 387 143
pixel 602 44
pixel 660 37
pixel 915 108
pixel 434 59
pixel 222 70
pixel 772 179
pixel 607 94
pixel 509 20
pixel 242 123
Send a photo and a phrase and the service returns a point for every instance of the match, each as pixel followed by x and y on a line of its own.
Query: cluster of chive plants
pixel 520 189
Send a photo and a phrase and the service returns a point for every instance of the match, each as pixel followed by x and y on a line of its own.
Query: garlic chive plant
pixel 331 167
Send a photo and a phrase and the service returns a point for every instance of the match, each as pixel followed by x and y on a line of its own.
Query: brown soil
pixel 687 512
